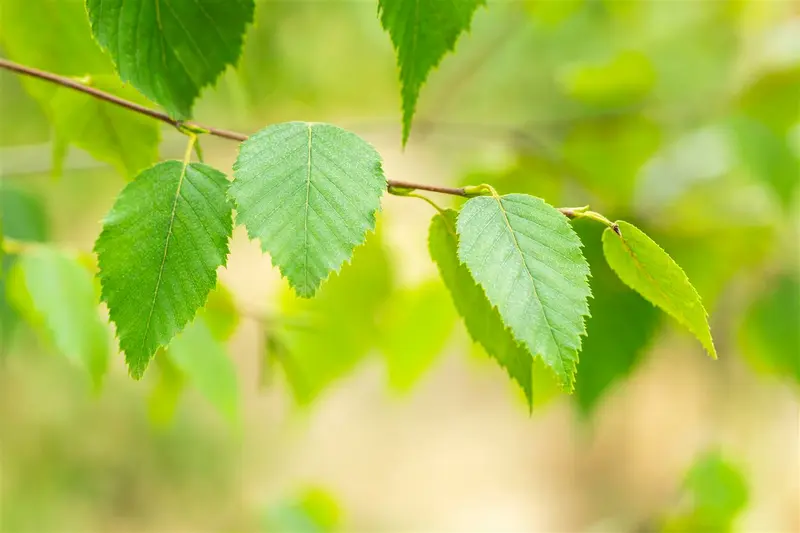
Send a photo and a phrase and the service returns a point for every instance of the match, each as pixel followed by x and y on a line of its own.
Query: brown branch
pixel 193 126
pixel 163 117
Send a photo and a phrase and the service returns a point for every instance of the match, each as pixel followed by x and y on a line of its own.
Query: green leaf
pixel 770 332
pixel 171 49
pixel 310 193
pixel 56 295
pixel 715 491
pixel 528 259
pixel 127 140
pixel 203 360
pixel 422 32
pixel 158 254
pixel 328 336
pixel 646 268
pixel 55 36
pixel 417 325
pixel 483 321
pixel 620 327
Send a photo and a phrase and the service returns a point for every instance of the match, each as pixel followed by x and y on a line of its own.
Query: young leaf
pixel 158 254
pixel 422 32
pixel 483 321
pixel 310 193
pixel 528 260
pixel 650 271
pixel 204 362
pixel 56 294
pixel 621 325
pixel 128 141
pixel 171 49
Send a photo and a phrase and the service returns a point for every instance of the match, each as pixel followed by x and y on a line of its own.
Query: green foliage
pixel 328 336
pixel 128 141
pixel 55 36
pixel 624 80
pixel 22 217
pixel 607 154
pixel 205 364
pixel 483 321
pixel 715 492
pixel 56 295
pixel 309 192
pixel 528 260
pixel 422 32
pixel 158 254
pixel 171 49
pixel 770 333
pixel 649 270
pixel 618 331
pixel 416 327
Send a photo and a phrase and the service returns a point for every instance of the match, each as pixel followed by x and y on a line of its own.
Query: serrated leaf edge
pixel 713 352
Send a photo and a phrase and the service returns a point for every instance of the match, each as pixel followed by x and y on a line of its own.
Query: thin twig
pixel 163 117
pixel 193 128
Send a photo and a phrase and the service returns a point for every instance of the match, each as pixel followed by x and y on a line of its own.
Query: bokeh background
pixel 368 409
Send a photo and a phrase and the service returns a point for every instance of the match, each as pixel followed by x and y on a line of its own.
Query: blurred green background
pixel 368 409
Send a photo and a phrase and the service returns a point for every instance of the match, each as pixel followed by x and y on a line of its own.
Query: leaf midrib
pixel 305 218
pixel 166 250
pixel 533 282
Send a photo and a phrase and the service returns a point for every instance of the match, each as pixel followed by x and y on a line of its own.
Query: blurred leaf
pixel 158 253
pixel 205 363
pixel 422 32
pixel 188 44
pixel 55 293
pixel 220 313
pixel 166 393
pixel 767 156
pixel 770 333
pixel 646 268
pixel 482 320
pixel 624 80
pixel 53 36
pixel 608 155
pixel 716 492
pixel 315 511
pixel 772 100
pixel 310 193
pixel 22 217
pixel 417 326
pixel 528 260
pixel 341 322
pixel 127 140
pixel 619 329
